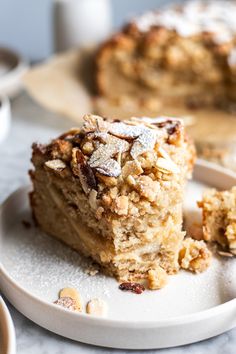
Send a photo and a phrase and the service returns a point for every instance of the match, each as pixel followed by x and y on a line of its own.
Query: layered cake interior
pixel 114 191
pixel 179 54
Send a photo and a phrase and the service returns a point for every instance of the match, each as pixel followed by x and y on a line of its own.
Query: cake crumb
pixel 194 255
pixel 157 278
pixel 92 269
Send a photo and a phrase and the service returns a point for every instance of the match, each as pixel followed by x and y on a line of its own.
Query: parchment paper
pixel 61 84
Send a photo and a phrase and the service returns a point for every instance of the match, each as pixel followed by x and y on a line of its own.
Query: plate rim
pixel 8 323
pixel 117 323
pixel 185 319
pixel 11 82
pixel 172 332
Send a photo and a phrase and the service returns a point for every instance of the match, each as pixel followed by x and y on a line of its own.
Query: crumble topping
pixel 117 163
pixel 217 17
pixel 124 212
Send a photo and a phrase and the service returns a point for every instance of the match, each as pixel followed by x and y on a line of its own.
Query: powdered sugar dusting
pixel 195 17
pixel 42 266
pixel 46 263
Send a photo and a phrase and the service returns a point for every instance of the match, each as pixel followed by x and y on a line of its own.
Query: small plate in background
pixel 12 69
pixel 7 331
pixel 5 117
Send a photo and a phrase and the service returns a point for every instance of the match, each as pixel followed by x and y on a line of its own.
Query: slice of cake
pixel 219 218
pixel 178 54
pixel 114 191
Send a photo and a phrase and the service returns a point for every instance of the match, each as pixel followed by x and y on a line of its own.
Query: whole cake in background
pixel 114 191
pixel 181 54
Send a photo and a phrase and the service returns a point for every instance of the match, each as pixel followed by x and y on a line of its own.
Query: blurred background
pixel 27 26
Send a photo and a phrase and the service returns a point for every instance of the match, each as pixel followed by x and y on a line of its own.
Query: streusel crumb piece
pixel 157 278
pixel 194 255
pixel 219 218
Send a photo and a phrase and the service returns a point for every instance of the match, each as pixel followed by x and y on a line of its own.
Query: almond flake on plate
pixel 65 297
pixel 97 307
pixel 66 302
pixel 225 254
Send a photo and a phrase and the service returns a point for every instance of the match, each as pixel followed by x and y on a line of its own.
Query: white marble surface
pixel 32 123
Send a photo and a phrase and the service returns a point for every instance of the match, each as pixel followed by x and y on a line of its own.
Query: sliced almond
pixel 166 166
pixel 163 153
pixel 225 254
pixel 81 169
pixel 55 165
pixel 110 168
pixel 70 133
pixel 74 295
pixel 67 303
pixel 94 123
pixel 113 146
pixel 97 307
pixel 156 120
pixel 85 173
pixel 233 251
pixel 125 131
pixel 145 142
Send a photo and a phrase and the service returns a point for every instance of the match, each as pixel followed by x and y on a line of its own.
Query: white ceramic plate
pixel 5 117
pixel 189 309
pixel 12 69
pixel 7 332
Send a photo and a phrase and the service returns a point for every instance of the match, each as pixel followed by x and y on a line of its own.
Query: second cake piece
pixel 219 218
pixel 114 191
